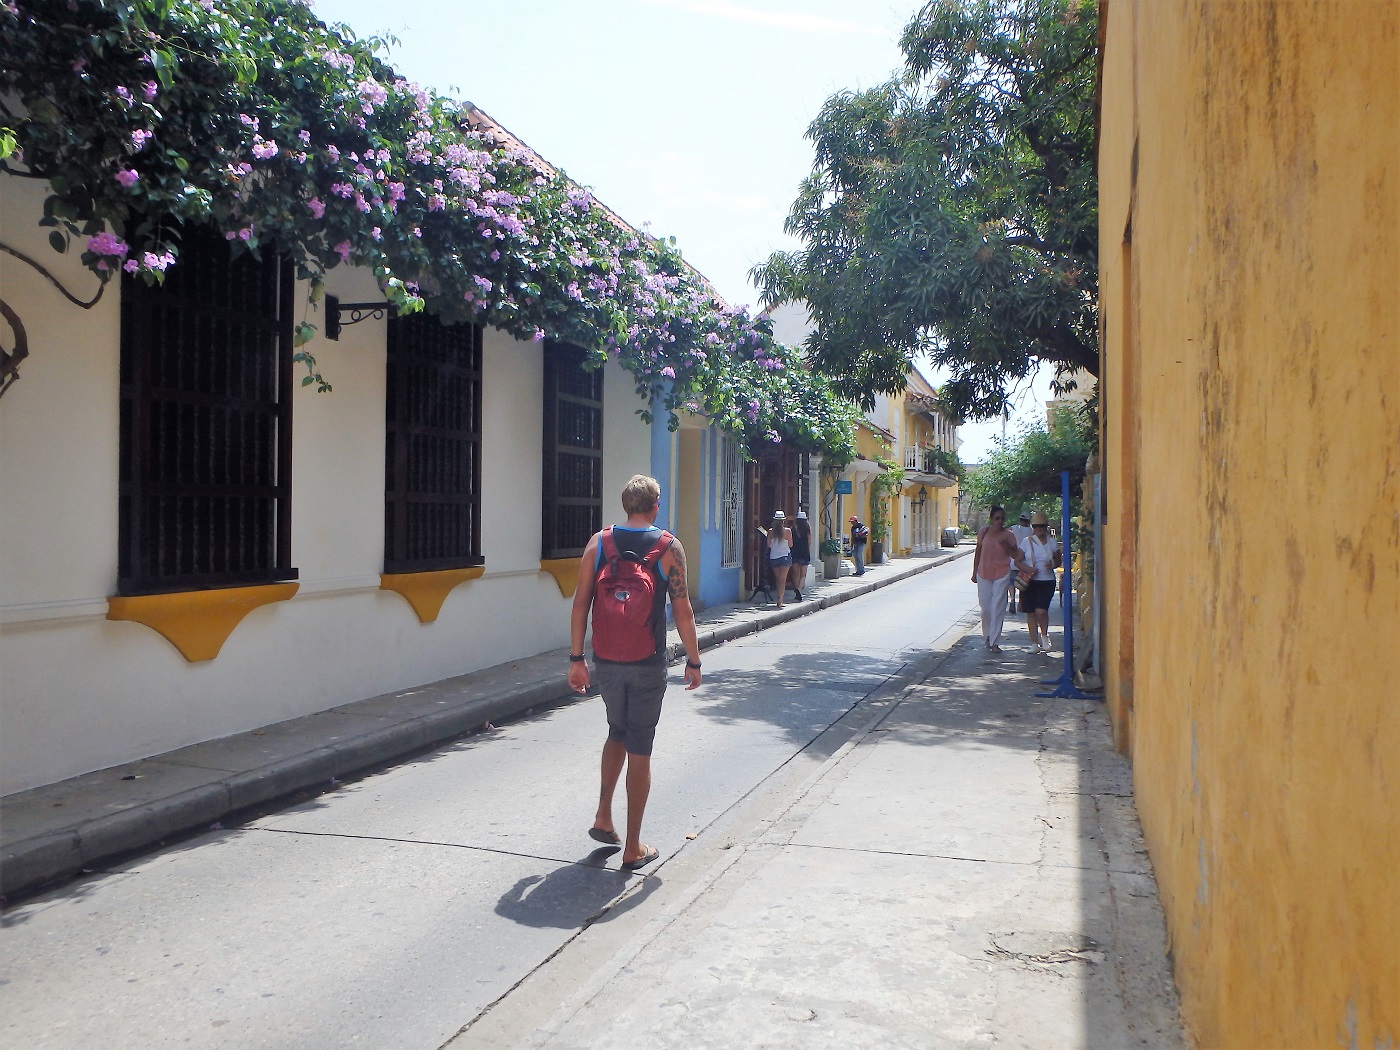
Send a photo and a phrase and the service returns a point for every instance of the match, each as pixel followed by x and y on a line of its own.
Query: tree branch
pixel 10 359
pixel 54 280
pixel 20 174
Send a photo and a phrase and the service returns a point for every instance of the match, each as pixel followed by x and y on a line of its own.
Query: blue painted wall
pixel 713 585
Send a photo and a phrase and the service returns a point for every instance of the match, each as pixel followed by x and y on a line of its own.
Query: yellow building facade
pixel 1250 322
pixel 929 502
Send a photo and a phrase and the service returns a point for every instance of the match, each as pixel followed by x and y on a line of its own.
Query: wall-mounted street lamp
pixel 923 495
pixel 335 311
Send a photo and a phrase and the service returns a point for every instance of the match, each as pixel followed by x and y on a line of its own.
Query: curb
pixel 49 857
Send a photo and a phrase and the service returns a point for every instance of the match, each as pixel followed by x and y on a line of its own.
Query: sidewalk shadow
pixel 569 897
pixel 800 693
pixel 971 697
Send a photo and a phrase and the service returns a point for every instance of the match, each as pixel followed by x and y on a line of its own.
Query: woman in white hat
pixel 780 553
pixel 1042 553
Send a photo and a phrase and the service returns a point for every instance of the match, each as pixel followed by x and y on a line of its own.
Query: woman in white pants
pixel 991 571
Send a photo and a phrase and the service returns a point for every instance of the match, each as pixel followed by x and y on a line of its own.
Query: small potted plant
pixel 830 552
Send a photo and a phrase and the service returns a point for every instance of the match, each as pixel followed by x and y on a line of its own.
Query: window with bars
pixel 432 455
pixel 731 503
pixel 573 452
pixel 204 498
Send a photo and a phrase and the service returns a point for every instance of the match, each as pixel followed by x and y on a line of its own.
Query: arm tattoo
pixel 676 576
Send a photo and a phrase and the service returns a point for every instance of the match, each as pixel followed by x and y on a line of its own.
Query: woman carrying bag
pixel 801 552
pixel 991 571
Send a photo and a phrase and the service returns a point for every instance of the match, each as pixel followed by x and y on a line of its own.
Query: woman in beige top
pixel 991 571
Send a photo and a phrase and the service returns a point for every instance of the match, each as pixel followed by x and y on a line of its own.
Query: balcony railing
pixel 924 460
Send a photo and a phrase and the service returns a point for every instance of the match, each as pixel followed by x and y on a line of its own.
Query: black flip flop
pixel 641 862
pixel 608 837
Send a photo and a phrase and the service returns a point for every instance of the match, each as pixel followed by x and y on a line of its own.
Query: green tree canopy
pixel 953 211
pixel 1025 471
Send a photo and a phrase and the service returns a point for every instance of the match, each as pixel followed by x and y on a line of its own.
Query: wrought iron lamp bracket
pixel 335 311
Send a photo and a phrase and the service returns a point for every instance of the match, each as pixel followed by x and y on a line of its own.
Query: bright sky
pixel 687 114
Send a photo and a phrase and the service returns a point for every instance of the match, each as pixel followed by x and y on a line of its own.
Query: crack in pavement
pixel 950 856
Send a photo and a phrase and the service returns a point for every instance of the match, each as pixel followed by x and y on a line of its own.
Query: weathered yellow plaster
pixel 565 573
pixel 426 591
pixel 1249 230
pixel 197 622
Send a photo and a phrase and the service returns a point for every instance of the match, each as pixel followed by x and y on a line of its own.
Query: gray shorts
pixel 632 694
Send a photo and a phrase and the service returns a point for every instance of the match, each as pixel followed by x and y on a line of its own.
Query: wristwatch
pixel 576 659
pixel 695 665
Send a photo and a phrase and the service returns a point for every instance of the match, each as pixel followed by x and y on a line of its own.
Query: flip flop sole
pixel 641 862
pixel 608 837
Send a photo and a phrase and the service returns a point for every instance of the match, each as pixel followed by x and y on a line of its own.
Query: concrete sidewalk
pixel 967 871
pixel 54 832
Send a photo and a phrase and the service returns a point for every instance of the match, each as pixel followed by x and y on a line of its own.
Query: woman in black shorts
pixel 1042 553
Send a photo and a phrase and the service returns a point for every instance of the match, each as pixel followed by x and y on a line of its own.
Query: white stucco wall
pixel 79 692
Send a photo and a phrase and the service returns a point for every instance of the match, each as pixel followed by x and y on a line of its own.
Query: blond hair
pixel 640 494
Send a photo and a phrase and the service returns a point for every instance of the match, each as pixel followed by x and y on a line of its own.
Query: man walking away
pixel 859 536
pixel 622 566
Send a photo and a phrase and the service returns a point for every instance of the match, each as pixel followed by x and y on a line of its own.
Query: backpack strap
pixel 608 545
pixel 659 548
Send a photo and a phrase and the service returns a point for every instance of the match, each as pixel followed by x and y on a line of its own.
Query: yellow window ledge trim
pixel 426 591
pixel 197 622
pixel 565 573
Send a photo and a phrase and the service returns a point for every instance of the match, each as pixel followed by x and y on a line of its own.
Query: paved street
pixel 393 911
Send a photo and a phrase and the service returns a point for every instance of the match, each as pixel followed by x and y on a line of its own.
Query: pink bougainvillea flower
pixel 149 89
pixel 316 208
pixel 108 244
pixel 343 250
pixel 128 177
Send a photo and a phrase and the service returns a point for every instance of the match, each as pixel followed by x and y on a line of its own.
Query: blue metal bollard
pixel 1065 689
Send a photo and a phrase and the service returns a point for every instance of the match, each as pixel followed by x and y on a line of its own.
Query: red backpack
pixel 622 601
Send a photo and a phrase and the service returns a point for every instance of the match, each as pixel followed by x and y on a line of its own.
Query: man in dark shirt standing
pixel 632 691
pixel 860 535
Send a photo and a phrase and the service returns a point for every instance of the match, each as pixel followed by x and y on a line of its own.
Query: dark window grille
pixel 573 452
pixel 205 436
pixel 432 461
pixel 731 502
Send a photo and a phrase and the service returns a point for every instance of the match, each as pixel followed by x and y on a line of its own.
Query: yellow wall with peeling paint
pixel 1250 296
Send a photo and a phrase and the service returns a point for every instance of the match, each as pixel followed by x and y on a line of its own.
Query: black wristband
pixel 694 665
pixel 576 659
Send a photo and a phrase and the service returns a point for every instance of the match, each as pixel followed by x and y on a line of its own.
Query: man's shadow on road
pixel 573 896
